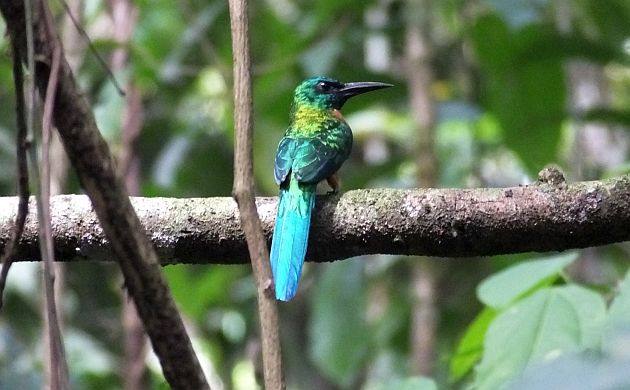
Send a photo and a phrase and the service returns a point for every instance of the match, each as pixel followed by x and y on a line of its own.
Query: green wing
pixel 312 159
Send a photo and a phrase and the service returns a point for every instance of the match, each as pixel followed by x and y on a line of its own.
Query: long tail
pixel 290 237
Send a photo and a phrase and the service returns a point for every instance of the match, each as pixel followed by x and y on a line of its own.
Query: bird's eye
pixel 323 86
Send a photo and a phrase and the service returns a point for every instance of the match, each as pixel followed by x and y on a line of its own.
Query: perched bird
pixel 316 143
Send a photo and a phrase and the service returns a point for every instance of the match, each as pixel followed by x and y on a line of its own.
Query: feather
pixel 290 237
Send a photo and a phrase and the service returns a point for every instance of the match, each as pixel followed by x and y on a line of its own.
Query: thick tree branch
pixel 542 217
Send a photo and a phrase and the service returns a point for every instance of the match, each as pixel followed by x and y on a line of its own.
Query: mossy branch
pixel 545 216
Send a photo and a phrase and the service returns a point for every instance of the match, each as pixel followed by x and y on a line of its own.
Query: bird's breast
pixel 311 121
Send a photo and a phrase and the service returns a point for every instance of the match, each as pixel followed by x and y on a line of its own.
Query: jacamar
pixel 316 143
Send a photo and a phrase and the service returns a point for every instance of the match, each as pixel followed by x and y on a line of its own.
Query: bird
pixel 316 143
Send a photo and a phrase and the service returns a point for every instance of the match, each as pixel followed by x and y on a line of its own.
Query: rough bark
pixel 546 216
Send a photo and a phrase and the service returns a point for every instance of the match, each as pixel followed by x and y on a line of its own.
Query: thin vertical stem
pixel 243 192
pixel 419 79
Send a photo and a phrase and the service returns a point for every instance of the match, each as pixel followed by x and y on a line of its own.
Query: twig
pixel 22 177
pixel 100 60
pixel 52 373
pixel 57 360
pixel 243 192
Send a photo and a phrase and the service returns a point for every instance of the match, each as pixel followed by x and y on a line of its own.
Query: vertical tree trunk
pixel 419 78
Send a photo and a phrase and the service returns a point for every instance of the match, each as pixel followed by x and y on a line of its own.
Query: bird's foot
pixel 335 183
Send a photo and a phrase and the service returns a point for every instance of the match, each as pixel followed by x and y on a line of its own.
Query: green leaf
pixel 542 327
pixel 471 345
pixel 492 41
pixel 529 102
pixel 618 319
pixel 576 373
pixel 502 288
pixel 611 18
pixel 553 44
pixel 524 90
pixel 618 314
pixel 338 331
pixel 612 116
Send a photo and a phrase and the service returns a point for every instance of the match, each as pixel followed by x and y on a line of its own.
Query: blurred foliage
pixel 504 104
pixel 564 326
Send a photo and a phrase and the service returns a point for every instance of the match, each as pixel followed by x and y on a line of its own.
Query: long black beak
pixel 352 89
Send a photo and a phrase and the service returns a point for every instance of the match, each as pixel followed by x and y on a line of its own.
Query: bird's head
pixel 324 92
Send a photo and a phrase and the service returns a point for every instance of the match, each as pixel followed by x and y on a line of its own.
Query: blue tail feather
pixel 290 238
